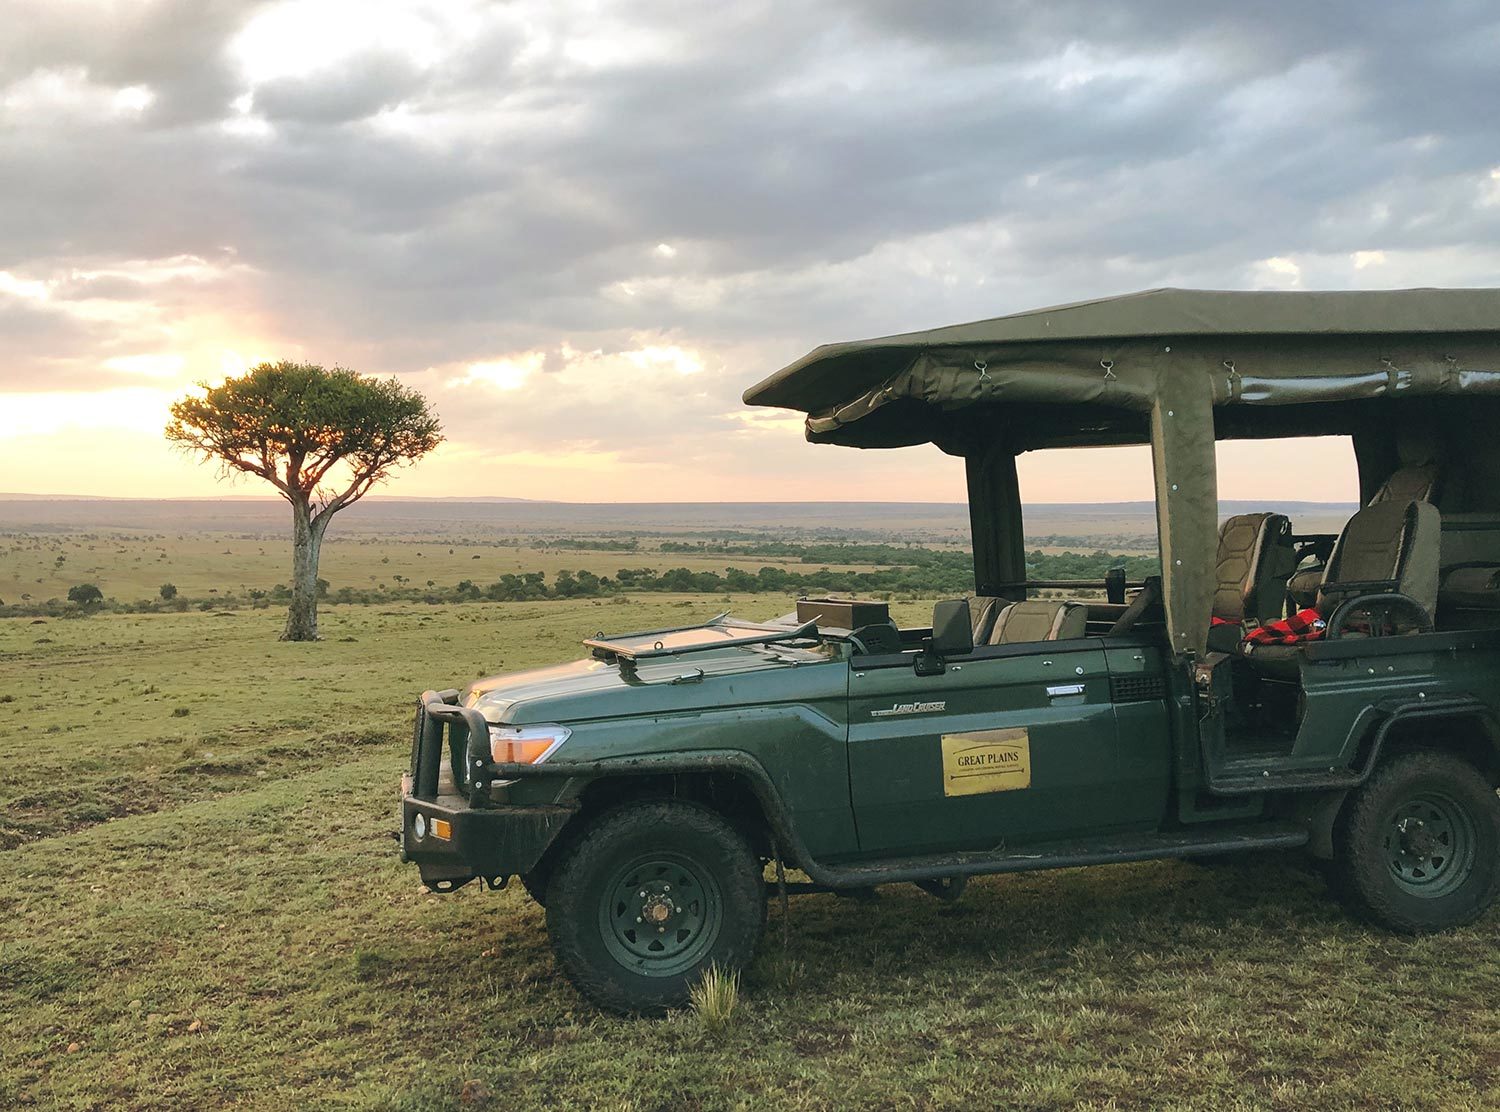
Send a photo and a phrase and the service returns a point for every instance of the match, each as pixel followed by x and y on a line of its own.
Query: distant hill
pixel 1124 524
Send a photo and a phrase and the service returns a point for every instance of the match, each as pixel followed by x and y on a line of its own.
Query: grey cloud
pixel 833 170
pixel 359 88
pixel 174 46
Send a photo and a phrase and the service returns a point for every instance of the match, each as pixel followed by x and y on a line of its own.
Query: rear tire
pixel 1419 847
pixel 647 899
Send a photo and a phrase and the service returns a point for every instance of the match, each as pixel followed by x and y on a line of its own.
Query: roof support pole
pixel 1187 506
pixel 995 520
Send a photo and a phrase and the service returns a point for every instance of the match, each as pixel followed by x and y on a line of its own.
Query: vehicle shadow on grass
pixel 1040 922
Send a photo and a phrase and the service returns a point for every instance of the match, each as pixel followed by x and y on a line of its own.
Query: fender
pixel 1322 811
pixel 664 764
pixel 1416 710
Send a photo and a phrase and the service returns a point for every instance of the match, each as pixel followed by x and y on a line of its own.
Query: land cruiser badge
pixel 910 708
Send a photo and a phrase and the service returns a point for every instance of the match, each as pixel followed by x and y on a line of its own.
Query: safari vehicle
pixel 642 792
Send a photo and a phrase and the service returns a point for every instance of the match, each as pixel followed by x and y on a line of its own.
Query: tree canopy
pixel 321 437
pixel 292 424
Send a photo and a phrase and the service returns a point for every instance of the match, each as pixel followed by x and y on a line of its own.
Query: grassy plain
pixel 200 905
pixel 130 566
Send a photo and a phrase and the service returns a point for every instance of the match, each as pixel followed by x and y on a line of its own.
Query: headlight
pixel 525 744
pixel 419 826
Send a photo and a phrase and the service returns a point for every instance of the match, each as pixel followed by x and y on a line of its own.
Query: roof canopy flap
pixel 1265 348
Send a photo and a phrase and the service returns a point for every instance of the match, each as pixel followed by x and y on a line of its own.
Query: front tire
pixel 650 897
pixel 1419 848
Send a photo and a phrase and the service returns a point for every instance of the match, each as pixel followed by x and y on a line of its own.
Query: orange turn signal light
pixel 525 744
pixel 442 828
pixel 519 750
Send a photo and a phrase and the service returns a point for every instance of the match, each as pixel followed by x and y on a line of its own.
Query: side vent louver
pixel 1136 689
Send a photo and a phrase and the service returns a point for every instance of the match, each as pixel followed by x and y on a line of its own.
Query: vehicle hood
pixel 592 689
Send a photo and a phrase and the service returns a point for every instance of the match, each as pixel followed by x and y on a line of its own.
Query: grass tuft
pixel 715 998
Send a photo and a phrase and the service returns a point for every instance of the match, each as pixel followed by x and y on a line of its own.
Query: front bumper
pixel 495 842
pixel 466 834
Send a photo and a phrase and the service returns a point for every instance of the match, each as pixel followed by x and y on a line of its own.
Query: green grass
pixel 129 566
pixel 231 868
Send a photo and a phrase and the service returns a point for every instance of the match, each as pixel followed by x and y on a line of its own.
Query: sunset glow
pixel 582 232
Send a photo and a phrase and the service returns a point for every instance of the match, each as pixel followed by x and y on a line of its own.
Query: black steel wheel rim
pixel 1430 844
pixel 660 914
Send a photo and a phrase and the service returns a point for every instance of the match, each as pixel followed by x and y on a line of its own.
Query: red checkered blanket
pixel 1305 625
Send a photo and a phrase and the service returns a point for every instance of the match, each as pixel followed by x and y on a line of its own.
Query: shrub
pixel 86 595
pixel 168 591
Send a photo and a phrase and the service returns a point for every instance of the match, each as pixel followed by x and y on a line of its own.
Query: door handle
pixel 1057 691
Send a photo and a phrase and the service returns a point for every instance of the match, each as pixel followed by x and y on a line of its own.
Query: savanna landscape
pixel 203 903
pixel 353 350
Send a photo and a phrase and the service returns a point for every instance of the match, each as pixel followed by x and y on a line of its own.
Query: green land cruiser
pixel 1272 688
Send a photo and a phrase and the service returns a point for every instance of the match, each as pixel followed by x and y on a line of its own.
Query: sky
pixel 581 229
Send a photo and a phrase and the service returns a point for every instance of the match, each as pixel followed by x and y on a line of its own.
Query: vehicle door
pixel 1005 745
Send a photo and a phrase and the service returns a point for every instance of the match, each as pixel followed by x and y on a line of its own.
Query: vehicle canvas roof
pixel 1244 347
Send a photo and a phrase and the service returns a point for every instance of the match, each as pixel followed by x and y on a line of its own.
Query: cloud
pixel 511 205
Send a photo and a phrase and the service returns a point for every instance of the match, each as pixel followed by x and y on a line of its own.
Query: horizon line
pixel 23 496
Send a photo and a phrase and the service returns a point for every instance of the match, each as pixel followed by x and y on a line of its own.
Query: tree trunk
pixel 307 539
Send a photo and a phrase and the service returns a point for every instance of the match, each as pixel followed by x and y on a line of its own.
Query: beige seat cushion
pixel 1303 586
pixel 1386 541
pixel 1255 557
pixel 982 612
pixel 1471 587
pixel 1418 474
pixel 1039 620
pixel 1409 484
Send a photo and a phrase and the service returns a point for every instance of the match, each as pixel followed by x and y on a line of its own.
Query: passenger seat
pixel 1418 478
pixel 1255 558
pixel 1038 620
pixel 1419 474
pixel 1469 596
pixel 982 612
pixel 1386 547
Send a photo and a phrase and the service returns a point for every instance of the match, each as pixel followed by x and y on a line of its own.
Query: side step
pixel 1065 855
pixel 1250 779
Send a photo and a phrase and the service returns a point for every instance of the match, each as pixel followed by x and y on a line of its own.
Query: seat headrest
pixel 1412 483
pixel 1039 620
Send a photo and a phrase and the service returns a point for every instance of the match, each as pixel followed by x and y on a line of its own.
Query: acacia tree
pixel 321 437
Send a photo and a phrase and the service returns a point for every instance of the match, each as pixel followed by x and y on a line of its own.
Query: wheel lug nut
pixel 642 893
pixel 637 918
pixel 666 887
pixel 661 930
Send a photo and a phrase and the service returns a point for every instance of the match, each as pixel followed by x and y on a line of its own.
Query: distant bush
pixel 167 591
pixel 86 595
pixel 882 571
